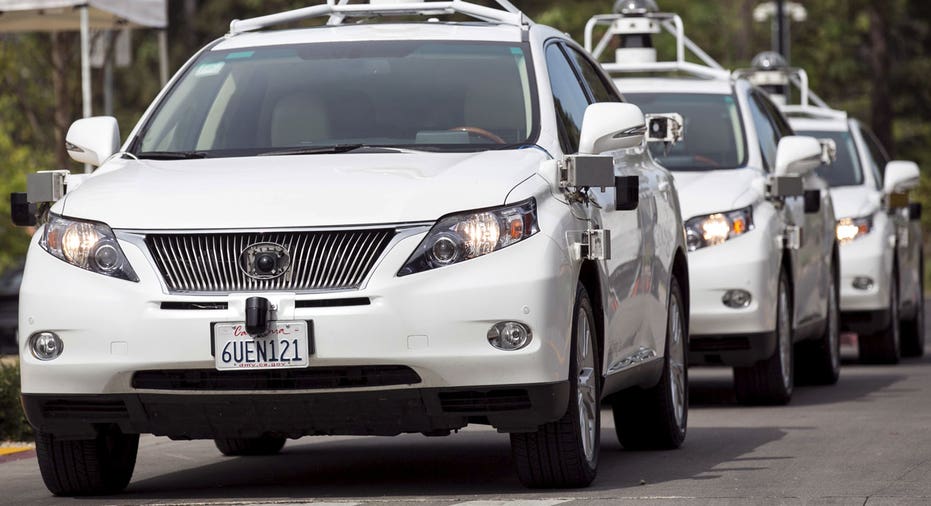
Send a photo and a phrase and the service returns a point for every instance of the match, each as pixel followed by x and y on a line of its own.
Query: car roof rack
pixel 340 10
pixel 645 24
pixel 770 72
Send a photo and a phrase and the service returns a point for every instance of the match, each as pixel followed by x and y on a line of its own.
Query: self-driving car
pixel 759 221
pixel 360 228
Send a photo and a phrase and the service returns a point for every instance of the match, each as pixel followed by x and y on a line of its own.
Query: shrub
pixel 13 424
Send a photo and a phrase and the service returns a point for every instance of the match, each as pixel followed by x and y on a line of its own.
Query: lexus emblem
pixel 264 260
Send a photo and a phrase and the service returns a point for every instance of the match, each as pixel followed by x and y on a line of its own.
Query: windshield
pixel 438 96
pixel 845 171
pixel 713 137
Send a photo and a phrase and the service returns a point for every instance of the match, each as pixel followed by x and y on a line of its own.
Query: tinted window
pixel 765 132
pixel 407 93
pixel 877 153
pixel 845 171
pixel 713 137
pixel 601 90
pixel 568 95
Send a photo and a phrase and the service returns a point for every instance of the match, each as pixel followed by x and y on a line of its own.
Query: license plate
pixel 285 346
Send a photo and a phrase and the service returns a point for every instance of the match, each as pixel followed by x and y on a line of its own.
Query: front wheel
pixel 657 418
pixel 99 466
pixel 249 446
pixel 564 453
pixel 913 330
pixel 818 361
pixel 770 381
pixel 883 347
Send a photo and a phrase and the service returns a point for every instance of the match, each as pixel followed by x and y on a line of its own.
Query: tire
pixel 657 418
pixel 564 453
pixel 770 381
pixel 99 466
pixel 883 347
pixel 818 362
pixel 250 446
pixel 913 331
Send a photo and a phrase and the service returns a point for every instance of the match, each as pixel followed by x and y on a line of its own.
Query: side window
pixel 877 153
pixel 778 120
pixel 765 132
pixel 602 90
pixel 569 97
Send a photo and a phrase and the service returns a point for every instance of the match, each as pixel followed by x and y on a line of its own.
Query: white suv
pixel 882 293
pixel 760 223
pixel 364 229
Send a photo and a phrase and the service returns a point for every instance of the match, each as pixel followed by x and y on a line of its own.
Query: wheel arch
pixel 591 280
pixel 680 270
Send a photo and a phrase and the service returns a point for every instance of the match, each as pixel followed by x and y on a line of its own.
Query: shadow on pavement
pixel 466 464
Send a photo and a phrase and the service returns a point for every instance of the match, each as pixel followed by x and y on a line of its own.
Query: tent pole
pixel 163 55
pixel 86 66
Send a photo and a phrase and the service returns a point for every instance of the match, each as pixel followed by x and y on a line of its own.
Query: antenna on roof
pixel 636 22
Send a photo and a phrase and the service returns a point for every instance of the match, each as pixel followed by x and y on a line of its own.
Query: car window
pixel 601 90
pixel 845 171
pixel 877 153
pixel 766 132
pixel 434 95
pixel 568 95
pixel 713 137
pixel 776 117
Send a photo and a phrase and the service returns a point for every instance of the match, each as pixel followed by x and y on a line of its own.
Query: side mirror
pixel 665 128
pixel 611 126
pixel 797 155
pixel 901 176
pixel 93 140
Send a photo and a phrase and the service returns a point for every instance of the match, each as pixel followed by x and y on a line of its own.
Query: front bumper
pixel 434 323
pixel 871 257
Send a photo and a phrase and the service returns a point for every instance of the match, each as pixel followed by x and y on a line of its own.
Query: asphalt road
pixel 866 440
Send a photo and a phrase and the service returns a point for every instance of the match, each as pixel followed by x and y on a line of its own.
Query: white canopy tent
pixel 84 16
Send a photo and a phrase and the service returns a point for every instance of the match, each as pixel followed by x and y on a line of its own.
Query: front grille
pixel 319 261
pixel 289 379
pixel 495 400
pixel 710 344
pixel 86 410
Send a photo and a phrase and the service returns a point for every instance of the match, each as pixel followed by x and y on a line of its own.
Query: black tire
pixel 770 381
pixel 564 453
pixel 817 362
pixel 99 466
pixel 884 346
pixel 657 418
pixel 249 446
pixel 913 330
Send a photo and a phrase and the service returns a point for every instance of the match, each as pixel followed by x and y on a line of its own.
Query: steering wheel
pixel 481 132
pixel 705 160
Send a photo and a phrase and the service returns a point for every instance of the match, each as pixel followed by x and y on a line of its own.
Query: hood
pixel 855 201
pixel 708 192
pixel 297 191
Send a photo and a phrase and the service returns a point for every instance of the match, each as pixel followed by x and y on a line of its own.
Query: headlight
pixel 460 237
pixel 88 245
pixel 849 229
pixel 714 229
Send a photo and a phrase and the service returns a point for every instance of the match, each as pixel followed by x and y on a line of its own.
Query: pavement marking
pixel 515 502
pixel 9 450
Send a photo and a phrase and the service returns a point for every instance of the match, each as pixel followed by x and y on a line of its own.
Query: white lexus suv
pixel 760 224
pixel 362 229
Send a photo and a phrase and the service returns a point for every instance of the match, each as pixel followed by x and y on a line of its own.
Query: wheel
pixel 657 418
pixel 770 381
pixel 98 466
pixel 248 446
pixel 818 361
pixel 564 453
pixel 883 347
pixel 913 330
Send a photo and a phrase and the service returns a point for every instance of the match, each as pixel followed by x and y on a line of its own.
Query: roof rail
pixel 795 76
pixel 808 111
pixel 672 23
pixel 339 10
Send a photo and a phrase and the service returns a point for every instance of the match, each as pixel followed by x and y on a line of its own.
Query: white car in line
pixel 882 292
pixel 760 223
pixel 363 229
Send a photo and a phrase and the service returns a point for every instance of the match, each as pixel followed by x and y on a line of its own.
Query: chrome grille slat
pixel 319 260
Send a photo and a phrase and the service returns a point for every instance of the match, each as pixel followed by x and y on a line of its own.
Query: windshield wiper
pixel 338 148
pixel 170 155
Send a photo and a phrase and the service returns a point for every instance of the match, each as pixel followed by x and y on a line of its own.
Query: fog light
pixel 45 345
pixel 509 335
pixel 737 299
pixel 862 283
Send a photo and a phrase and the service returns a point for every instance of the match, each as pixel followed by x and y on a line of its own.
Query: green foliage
pixel 13 424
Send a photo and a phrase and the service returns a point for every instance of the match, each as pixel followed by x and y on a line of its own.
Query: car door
pixel 628 289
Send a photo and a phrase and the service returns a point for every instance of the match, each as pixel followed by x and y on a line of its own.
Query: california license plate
pixel 285 346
